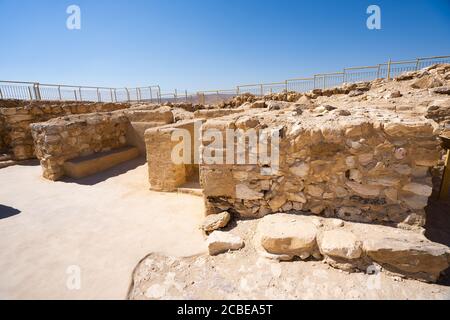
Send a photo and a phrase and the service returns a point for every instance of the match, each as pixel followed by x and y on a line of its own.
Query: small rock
pixel 216 221
pixel 442 90
pixel 393 95
pixel 355 93
pixel 344 113
pixel 220 242
pixel 328 107
pixel 337 223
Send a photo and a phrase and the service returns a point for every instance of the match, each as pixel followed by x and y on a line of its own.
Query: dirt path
pixel 102 226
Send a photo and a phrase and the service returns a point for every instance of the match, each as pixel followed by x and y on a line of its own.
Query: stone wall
pixel 65 138
pixel 16 117
pixel 165 174
pixel 141 120
pixel 371 167
pixel 70 137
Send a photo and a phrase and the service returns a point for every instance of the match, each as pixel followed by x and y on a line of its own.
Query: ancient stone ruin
pixel 342 175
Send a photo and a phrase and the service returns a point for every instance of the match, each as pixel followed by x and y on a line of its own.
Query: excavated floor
pixel 244 274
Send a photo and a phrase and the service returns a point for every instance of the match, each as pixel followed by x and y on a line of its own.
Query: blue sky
pixel 210 44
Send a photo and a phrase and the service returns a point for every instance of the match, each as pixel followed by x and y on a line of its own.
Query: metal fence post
pixel 378 71
pixel 185 93
pixel 37 91
pixel 286 85
pixel 262 90
pixel 237 90
pixel 314 85
pixel 115 94
pixel 75 94
pixel 1 93
pixel 389 70
pixel 59 93
pixel 29 92
pixel 151 94
pixel 128 94
pixel 81 96
pixel 111 94
pixel 417 64
pixel 99 98
pixel 159 94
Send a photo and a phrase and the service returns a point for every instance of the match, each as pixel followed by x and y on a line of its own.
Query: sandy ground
pixel 245 275
pixel 104 225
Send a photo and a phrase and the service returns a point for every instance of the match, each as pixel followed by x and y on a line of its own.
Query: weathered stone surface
pixel 351 246
pixel 214 222
pixel 442 90
pixel 300 169
pixel 220 242
pixel 407 253
pixel 340 243
pixel 17 116
pixel 418 189
pixel 244 192
pixel 427 82
pixel 364 190
pixel 289 235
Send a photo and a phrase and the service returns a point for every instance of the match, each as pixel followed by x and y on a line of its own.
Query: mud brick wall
pixel 368 168
pixel 70 137
pixel 16 117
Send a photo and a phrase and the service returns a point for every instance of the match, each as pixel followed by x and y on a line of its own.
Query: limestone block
pixel 216 221
pixel 289 235
pixel 340 243
pixel 220 242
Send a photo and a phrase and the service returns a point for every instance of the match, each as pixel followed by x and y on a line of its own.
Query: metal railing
pixel 37 91
pixel 58 92
pixel 388 70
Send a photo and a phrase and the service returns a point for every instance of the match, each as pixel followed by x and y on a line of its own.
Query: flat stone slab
pixel 85 166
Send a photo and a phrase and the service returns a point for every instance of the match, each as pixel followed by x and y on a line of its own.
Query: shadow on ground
pixel 438 228
pixel 7 212
pixel 105 175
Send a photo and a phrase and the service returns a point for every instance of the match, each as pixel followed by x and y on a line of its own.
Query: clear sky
pixel 210 44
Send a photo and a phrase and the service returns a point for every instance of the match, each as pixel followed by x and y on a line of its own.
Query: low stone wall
pixel 165 174
pixel 214 113
pixel 372 167
pixel 70 137
pixel 65 138
pixel 141 120
pixel 16 117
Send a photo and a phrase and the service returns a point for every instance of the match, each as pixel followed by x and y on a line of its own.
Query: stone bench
pixel 85 166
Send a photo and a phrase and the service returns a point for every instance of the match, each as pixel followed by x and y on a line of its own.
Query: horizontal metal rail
pixel 40 91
